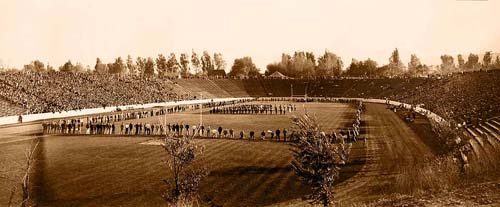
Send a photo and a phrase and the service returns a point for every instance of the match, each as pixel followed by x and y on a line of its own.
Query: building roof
pixel 277 74
pixel 216 73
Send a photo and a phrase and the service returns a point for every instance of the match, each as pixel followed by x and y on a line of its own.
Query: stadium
pixel 189 103
pixel 78 166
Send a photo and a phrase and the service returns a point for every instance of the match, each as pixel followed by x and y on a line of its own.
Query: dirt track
pixel 390 144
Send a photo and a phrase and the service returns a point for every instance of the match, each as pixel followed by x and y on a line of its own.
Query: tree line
pixel 300 65
pixel 162 66
pixel 329 65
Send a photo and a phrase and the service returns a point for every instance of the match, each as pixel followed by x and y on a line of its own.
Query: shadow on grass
pixel 241 170
pixel 40 190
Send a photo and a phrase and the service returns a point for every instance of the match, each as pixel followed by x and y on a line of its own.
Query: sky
pixel 55 31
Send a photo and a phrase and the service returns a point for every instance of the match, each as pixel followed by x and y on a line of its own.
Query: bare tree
pixel 183 187
pixel 20 176
pixel 317 160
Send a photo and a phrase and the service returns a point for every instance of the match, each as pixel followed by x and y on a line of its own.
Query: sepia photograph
pixel 251 103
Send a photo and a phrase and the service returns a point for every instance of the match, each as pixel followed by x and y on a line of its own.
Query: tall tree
pixel 131 66
pixel 49 67
pixel 316 160
pixel 310 56
pixel 35 66
pixel 329 65
pixel 461 62
pixel 195 62
pixel 100 68
pixel 38 66
pixel 172 65
pixel 161 65
pixel 206 62
pixel 447 64
pixel 184 63
pixel 302 65
pixel 472 62
pixel 496 65
pixel 141 66
pixel 413 65
pixel 367 68
pixel 395 65
pixel 79 68
pixel 118 67
pixel 244 67
pixel 487 60
pixel 149 67
pixel 67 67
pixel 219 62
pixel 283 66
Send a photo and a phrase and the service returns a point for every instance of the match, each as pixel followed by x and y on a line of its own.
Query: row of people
pixel 254 109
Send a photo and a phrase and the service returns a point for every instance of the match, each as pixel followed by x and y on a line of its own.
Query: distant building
pixel 217 73
pixel 278 75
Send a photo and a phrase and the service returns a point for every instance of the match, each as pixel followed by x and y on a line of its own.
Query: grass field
pixel 119 171
pixel 332 116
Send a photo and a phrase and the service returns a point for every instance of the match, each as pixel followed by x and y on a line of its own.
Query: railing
pixel 85 112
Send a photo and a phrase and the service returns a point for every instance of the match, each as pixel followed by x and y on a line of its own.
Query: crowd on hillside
pixel 59 91
pixel 463 97
pixel 466 98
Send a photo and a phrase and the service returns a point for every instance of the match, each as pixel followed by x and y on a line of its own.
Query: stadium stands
pixel 56 91
pixel 469 97
pixel 205 87
pixel 7 108
pixel 485 139
pixel 235 88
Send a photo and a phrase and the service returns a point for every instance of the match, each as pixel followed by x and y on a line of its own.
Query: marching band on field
pixel 110 124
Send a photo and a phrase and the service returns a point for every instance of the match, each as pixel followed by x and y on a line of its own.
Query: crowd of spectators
pixel 468 97
pixel 60 91
pixel 464 98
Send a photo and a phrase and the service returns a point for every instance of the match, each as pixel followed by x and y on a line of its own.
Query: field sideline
pixel 118 171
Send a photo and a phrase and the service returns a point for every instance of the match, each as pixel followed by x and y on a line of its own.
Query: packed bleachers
pixel 469 97
pixel 57 91
pixel 7 108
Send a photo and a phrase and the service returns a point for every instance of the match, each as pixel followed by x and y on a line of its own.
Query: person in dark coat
pixel 284 135
pixel 219 130
pixel 278 132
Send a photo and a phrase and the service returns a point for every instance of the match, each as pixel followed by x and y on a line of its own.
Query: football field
pixel 120 171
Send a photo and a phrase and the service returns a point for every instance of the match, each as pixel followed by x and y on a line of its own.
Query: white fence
pixel 420 110
pixel 84 112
